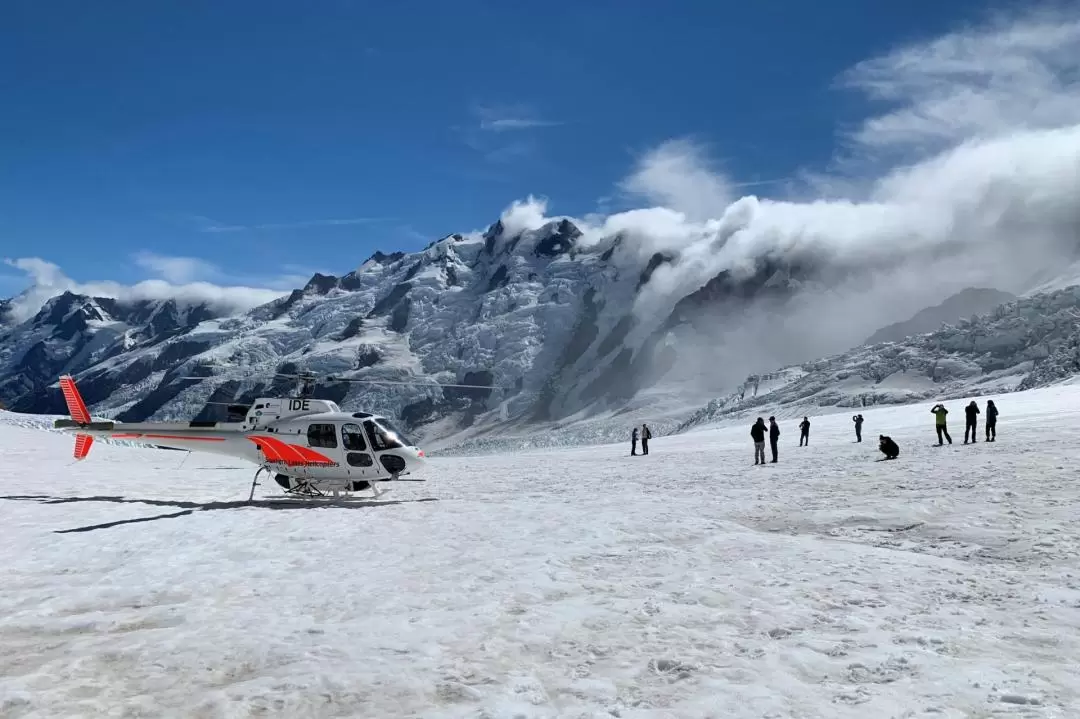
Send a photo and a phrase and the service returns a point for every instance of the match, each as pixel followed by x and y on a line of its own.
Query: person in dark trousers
pixel 646 435
pixel 940 424
pixel 804 432
pixel 858 420
pixel 633 442
pixel 774 437
pixel 888 447
pixel 971 423
pixel 757 433
pixel 991 420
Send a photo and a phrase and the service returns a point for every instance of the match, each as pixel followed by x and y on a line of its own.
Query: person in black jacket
pixel 858 420
pixel 757 433
pixel 971 414
pixel 633 442
pixel 774 437
pixel 804 432
pixel 888 447
pixel 991 420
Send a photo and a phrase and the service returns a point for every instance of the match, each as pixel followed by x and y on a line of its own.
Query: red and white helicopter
pixel 310 446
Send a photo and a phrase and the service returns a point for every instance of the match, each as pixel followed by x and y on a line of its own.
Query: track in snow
pixel 580 582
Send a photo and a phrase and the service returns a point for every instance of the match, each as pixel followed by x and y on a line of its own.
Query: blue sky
pixel 270 139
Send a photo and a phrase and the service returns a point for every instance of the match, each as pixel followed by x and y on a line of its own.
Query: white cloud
pixel 677 175
pixel 49 280
pixel 179 270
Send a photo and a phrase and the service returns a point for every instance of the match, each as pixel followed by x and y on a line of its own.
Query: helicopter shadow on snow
pixel 187 508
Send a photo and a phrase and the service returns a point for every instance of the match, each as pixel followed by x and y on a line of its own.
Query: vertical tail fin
pixel 78 411
pixel 76 406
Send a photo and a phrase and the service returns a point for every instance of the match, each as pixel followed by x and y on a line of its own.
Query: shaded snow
pixel 579 582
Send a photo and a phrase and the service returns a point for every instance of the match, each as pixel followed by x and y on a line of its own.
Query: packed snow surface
pixel 572 583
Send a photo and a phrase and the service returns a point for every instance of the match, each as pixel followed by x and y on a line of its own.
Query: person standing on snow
pixel 646 435
pixel 774 437
pixel 991 420
pixel 757 433
pixel 939 412
pixel 804 432
pixel 971 424
pixel 633 442
pixel 858 420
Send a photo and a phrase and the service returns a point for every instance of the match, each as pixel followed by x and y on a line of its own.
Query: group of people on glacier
pixel 759 431
pixel 887 445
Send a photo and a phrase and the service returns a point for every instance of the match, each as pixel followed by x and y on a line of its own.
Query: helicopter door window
pixel 322 435
pixel 352 438
pixel 359 459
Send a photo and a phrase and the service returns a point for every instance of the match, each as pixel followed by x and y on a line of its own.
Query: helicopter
pixel 311 447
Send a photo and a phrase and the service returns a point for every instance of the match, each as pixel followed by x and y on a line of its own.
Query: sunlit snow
pixel 562 583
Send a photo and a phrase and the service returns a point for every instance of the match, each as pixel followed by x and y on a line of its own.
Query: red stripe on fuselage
pixel 277 451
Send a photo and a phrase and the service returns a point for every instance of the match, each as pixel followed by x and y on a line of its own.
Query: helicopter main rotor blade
pixel 331 378
pixel 415 382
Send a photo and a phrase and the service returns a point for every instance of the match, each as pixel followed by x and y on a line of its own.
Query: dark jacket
pixel 991 413
pixel 774 430
pixel 804 426
pixel 971 410
pixel 758 431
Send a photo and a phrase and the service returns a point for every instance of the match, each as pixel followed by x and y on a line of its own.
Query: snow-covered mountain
pixel 1023 344
pixel 545 324
pixel 968 302
pixel 587 334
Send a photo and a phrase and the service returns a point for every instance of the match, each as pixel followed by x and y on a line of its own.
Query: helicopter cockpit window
pixel 380 438
pixel 393 429
pixel 352 438
pixel 322 435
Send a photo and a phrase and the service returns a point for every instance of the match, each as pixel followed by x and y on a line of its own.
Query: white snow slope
pixel 572 583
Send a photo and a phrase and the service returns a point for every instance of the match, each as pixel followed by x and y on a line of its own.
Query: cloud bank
pixel 966 172
pixel 48 280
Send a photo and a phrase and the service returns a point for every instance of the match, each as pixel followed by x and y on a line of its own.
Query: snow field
pixel 567 583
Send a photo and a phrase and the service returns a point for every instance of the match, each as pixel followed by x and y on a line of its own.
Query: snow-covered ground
pixel 573 583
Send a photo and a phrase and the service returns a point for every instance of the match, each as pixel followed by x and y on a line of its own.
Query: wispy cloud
pixel 504 118
pixel 207 224
pixel 184 270
pixel 973 84
pixel 503 134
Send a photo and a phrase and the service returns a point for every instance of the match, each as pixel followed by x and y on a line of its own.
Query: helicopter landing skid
pixel 307 491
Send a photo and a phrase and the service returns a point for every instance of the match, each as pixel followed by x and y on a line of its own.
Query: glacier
pixel 568 582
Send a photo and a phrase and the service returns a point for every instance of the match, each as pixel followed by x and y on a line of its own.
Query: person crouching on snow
pixel 888 447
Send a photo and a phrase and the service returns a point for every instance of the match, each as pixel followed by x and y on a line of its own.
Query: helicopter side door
pixel 358 459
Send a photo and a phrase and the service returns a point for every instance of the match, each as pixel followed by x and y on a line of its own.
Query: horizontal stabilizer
pixel 72 424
